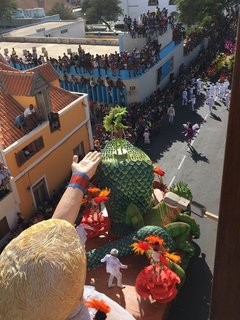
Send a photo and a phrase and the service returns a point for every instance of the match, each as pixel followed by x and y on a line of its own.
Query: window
pixel 153 2
pixel 28 151
pixel 79 151
pixel 40 193
pixel 54 121
pixel 64 31
pixel 4 228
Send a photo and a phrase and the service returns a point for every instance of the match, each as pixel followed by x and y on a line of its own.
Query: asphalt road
pixel 200 167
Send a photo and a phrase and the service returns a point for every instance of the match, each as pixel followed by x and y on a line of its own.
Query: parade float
pixel 140 206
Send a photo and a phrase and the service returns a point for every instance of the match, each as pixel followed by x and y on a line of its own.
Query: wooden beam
pixel 225 304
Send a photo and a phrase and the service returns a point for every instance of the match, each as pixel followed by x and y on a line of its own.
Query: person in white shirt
pixel 199 86
pixel 146 136
pixel 184 97
pixel 113 266
pixel 171 113
pixel 226 99
pixel 193 101
pixel 210 103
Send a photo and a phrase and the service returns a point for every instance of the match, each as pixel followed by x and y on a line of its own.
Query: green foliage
pixel 64 12
pixel 99 10
pixel 113 121
pixel 203 12
pixel 182 190
pixel 7 9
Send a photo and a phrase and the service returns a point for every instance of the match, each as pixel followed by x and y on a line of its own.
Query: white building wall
pixel 126 43
pixel 147 83
pixel 134 8
pixel 8 209
pixel 73 30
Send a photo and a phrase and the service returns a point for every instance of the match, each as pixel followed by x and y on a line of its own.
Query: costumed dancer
pixel 113 266
pixel 157 280
pixel 190 131
pixel 43 270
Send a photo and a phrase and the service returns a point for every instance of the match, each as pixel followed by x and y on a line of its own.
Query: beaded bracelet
pixel 79 180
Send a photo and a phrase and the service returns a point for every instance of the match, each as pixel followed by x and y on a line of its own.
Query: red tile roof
pixel 19 83
pixel 16 83
pixel 9 110
pixel 2 59
pixel 6 66
pixel 47 71
pixel 60 98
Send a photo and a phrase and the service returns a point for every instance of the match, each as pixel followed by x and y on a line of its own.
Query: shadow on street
pixel 193 299
pixel 197 156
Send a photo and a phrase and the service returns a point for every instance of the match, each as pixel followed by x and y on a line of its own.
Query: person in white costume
pixel 199 86
pixel 43 270
pixel 171 113
pixel 184 97
pixel 193 101
pixel 210 103
pixel 113 266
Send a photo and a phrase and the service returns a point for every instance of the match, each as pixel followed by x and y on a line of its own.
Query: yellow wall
pixel 55 167
pixel 68 120
pixel 25 101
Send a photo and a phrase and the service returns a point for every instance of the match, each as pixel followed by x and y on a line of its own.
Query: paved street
pixel 201 168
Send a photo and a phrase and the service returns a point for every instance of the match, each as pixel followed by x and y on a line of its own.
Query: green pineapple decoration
pixel 127 171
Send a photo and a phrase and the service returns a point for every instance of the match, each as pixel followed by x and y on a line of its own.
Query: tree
pixel 204 12
pixel 7 9
pixel 102 10
pixel 64 12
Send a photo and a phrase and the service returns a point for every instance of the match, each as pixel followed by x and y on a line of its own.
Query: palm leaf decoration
pixel 113 123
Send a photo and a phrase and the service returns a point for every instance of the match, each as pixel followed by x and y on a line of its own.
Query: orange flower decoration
pixel 175 258
pixel 94 191
pixel 99 199
pixel 158 170
pixel 153 239
pixel 98 305
pixel 105 192
pixel 140 247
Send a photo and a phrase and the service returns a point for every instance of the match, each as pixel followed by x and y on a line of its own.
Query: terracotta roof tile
pixel 60 98
pixel 5 66
pixel 47 71
pixel 16 82
pixel 9 110
pixel 2 59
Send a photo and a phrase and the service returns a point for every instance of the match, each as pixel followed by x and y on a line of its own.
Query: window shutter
pixel 39 143
pixel 54 121
pixel 20 158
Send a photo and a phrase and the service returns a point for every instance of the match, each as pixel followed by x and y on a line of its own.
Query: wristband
pixel 79 180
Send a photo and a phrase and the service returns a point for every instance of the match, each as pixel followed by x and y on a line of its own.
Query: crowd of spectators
pixel 148 114
pixel 148 24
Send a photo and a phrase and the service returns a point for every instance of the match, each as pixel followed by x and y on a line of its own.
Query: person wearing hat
pixel 113 266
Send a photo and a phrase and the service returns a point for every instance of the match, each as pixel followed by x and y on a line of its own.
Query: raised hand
pixel 88 164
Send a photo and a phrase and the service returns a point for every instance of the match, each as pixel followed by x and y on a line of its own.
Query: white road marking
pixel 206 116
pixel 182 162
pixel 171 182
